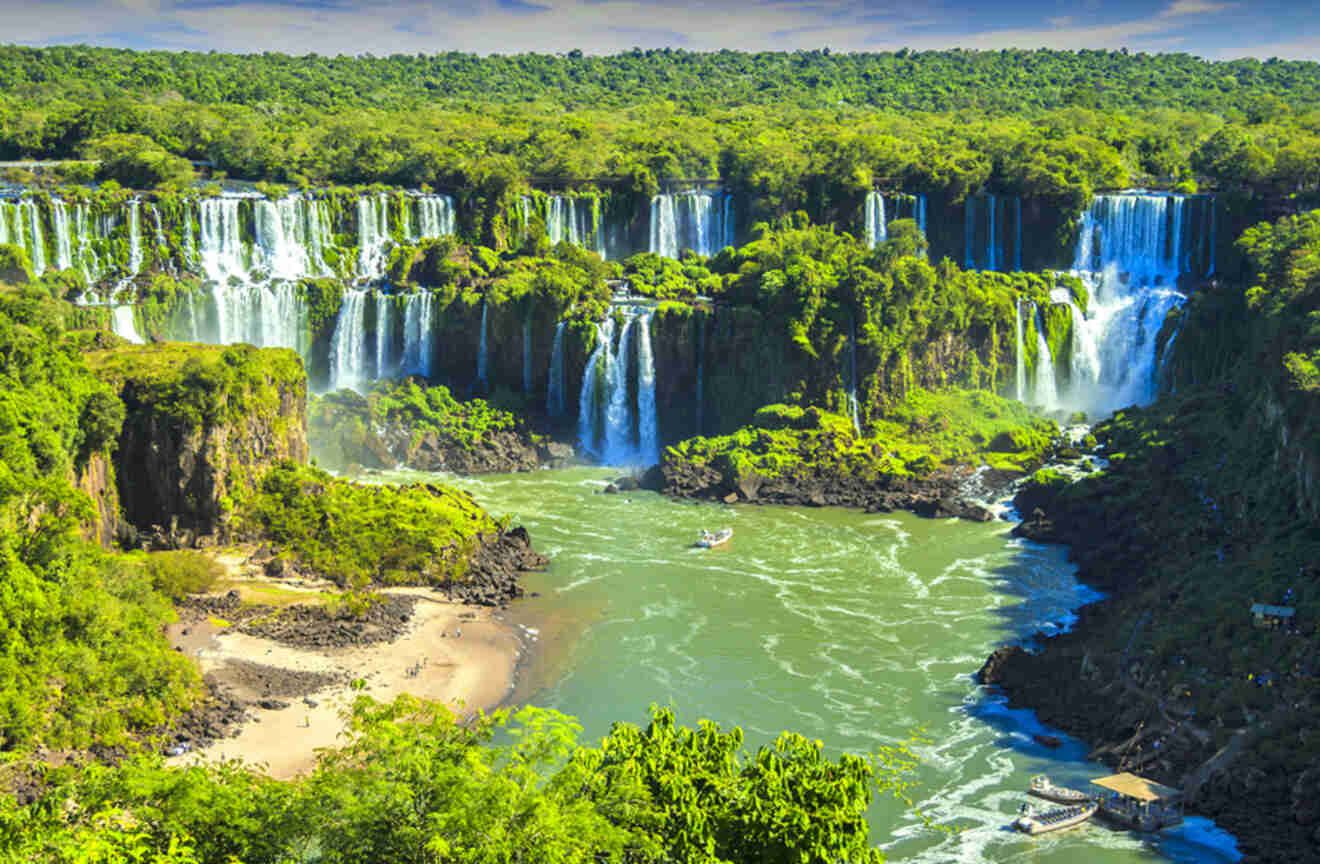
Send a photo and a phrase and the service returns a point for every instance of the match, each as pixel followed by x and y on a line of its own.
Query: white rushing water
pixel 123 325
pixel 1045 391
pixel 435 217
pixel 417 337
pixel 648 431
pixel 595 372
pixel 134 237
pixel 373 235
pixel 700 221
pixel 554 392
pixel 612 427
pixel 575 220
pixel 20 225
pixel 385 362
pixel 877 229
pixel 59 217
pixel 347 345
pixel 1132 248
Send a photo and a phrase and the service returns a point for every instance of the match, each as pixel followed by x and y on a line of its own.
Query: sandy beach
pixel 460 655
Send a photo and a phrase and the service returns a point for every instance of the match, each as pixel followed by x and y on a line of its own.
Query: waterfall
pixel 554 395
pixel 384 335
pixel 20 225
pixel 588 431
pixel 59 217
pixel 664 226
pixel 852 377
pixel 527 353
pixel 1046 393
pixel 618 419
pixel 648 432
pixel 481 353
pixel 1020 370
pixel 373 235
pixel 134 237
pixel 1131 250
pixel 876 231
pixel 190 258
pixel 435 217
pixel 268 316
pixel 701 375
pixel 691 220
pixel 347 343
pixel 417 337
pixel 570 220
pixel 221 243
pixel 124 326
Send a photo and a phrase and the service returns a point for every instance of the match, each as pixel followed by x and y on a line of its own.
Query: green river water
pixel 855 629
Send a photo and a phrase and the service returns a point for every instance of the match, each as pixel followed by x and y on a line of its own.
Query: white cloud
pixel 595 26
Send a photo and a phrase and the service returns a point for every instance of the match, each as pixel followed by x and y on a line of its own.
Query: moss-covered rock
pixel 203 423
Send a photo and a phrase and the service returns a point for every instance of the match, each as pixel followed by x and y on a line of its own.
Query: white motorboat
pixel 1033 821
pixel 708 540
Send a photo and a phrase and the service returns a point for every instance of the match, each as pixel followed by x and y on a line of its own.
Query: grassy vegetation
pixel 356 535
pixel 925 432
pixel 198 385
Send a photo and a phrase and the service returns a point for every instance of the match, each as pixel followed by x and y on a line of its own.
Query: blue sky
pixel 1215 29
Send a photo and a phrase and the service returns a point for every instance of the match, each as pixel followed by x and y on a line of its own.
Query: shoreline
pixel 294 696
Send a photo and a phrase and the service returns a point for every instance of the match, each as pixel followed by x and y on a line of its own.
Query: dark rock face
pixel 938 495
pixel 171 471
pixel 492 577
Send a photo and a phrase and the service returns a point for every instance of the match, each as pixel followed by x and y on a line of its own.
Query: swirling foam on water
pixel 841 626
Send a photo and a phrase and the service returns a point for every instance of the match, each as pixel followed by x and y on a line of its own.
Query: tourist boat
pixel 1135 802
pixel 707 540
pixel 1031 821
pixel 1041 787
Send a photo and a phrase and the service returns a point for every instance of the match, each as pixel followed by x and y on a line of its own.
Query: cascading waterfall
pixel 417 337
pixel 59 217
pixel 648 431
pixel 1131 250
pixel 1020 366
pixel 876 230
pixel 597 369
pixel 373 235
pixel 124 326
pixel 852 378
pixel 384 335
pixel 435 217
pixel 134 237
pixel 571 220
pixel 347 342
pixel 1046 393
pixel 221 245
pixel 554 395
pixel 619 449
pixel 20 225
pixel 1162 377
pixel 691 220
pixel 481 353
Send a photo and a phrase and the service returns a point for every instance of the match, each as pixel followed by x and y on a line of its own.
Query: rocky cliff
pixel 202 424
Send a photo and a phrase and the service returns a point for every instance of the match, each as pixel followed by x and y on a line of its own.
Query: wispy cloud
pixel 610 26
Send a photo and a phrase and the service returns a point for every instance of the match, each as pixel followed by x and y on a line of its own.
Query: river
pixel 860 630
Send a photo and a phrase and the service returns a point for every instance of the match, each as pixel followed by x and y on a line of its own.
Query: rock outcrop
pixel 203 423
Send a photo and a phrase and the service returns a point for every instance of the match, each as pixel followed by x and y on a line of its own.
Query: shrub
pixel 177 574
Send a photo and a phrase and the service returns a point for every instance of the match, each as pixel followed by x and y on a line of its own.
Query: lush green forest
pixel 808 131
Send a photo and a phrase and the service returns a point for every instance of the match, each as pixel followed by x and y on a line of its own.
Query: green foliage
pixel 415 783
pixel 356 534
pixel 180 573
pixel 84 658
pixel 925 432
pixel 197 385
pixel 137 162
pixel 15 268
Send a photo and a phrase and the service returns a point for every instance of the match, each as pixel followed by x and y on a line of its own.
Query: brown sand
pixel 468 672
